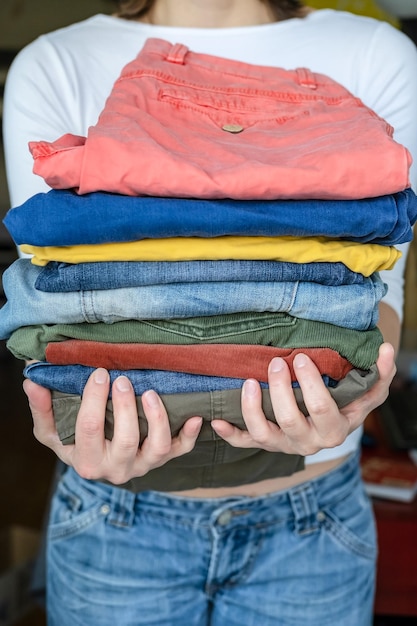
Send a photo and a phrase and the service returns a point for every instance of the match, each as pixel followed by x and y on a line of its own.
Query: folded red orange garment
pixel 229 360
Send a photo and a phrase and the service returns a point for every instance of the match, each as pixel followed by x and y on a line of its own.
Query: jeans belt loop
pixel 122 507
pixel 305 509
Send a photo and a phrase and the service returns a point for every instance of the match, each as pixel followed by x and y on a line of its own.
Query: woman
pixel 278 551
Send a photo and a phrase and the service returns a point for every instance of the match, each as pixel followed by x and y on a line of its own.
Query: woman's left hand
pixel 326 426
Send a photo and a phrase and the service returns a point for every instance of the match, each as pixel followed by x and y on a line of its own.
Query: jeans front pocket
pixel 350 523
pixel 74 507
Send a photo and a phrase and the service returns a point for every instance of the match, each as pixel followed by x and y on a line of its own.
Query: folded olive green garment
pixel 268 329
pixel 212 462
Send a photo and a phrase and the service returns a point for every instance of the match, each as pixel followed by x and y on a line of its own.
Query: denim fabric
pixel 303 135
pixel 365 258
pixel 116 274
pixel 215 359
pixel 350 306
pixel 209 402
pixel 163 560
pixel 72 379
pixel 63 218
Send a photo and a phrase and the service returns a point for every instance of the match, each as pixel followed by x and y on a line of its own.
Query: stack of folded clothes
pixel 196 233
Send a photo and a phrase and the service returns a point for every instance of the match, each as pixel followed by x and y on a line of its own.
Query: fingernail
pixel 100 376
pixel 196 424
pixel 276 364
pixel 250 388
pixel 151 398
pixel 123 383
pixel 300 360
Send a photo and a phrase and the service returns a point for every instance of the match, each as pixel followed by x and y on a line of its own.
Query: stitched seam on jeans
pixel 87 306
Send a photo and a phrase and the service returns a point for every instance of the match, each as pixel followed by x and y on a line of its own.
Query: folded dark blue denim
pixel 63 277
pixel 73 378
pixel 63 218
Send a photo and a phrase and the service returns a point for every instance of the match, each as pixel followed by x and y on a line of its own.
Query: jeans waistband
pixel 302 502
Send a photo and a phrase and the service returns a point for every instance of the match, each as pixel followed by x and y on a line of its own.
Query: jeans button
pixel 232 128
pixel 224 518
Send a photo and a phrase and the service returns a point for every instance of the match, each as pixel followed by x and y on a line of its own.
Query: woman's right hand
pixel 119 460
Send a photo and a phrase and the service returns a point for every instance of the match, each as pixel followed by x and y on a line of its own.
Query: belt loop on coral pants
pixel 306 78
pixel 177 54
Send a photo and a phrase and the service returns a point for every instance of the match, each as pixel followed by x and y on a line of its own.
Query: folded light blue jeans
pixel 305 555
pixel 351 306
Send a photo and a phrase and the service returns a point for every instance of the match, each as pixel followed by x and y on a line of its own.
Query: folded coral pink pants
pixel 183 124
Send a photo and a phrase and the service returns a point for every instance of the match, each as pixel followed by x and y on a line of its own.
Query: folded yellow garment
pixel 364 258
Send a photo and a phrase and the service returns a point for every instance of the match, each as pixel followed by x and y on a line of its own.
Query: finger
pixel 297 430
pixel 259 428
pixel 386 369
pixel 357 411
pixel 89 428
pixel 233 435
pixel 328 427
pixel 284 404
pixel 125 441
pixel 260 432
pixel 386 363
pixel 157 444
pixel 185 441
pixel 44 429
pixel 40 404
pixel 315 393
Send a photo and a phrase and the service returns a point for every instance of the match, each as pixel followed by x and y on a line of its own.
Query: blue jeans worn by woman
pixel 305 555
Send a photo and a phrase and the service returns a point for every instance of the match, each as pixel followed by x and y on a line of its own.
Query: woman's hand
pixel 325 427
pixel 121 459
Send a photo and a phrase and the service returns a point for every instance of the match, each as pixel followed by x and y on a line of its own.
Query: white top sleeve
pixel 391 71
